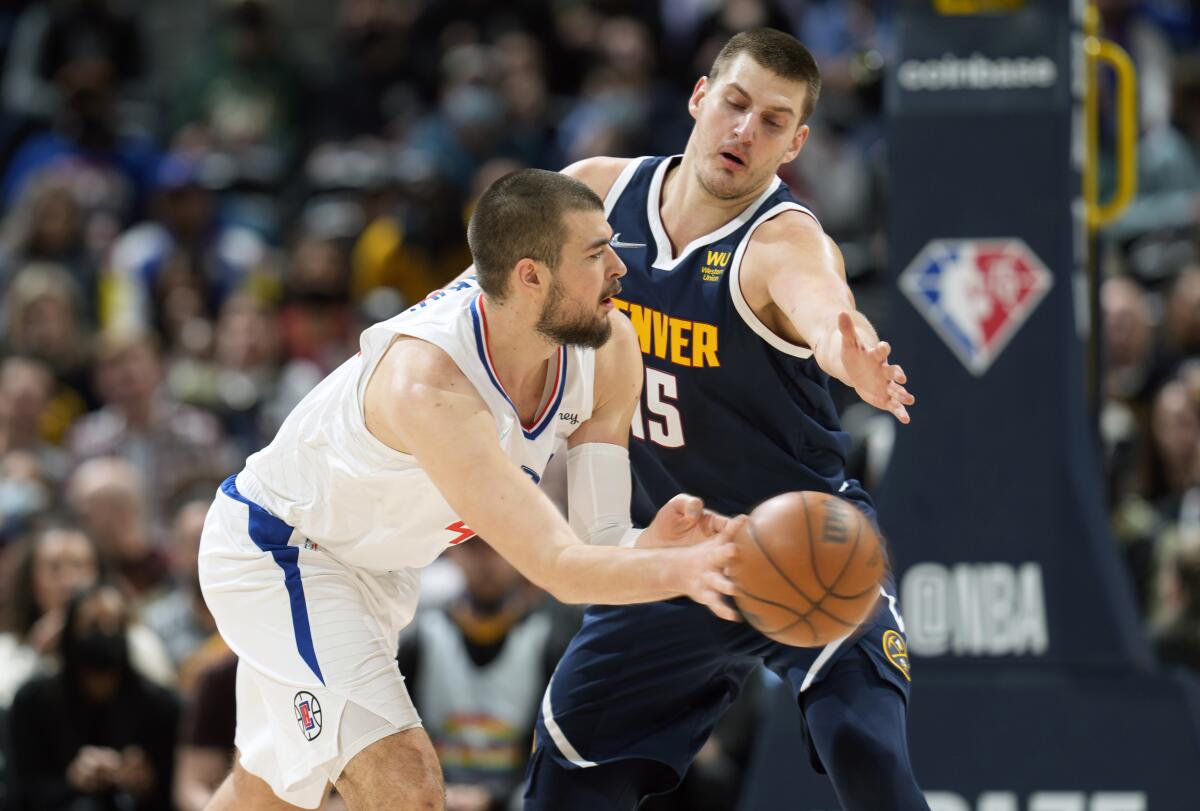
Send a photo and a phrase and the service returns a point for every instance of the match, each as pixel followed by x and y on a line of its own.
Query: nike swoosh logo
pixel 617 243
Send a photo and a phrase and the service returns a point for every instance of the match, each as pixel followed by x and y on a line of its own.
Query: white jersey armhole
pixel 739 300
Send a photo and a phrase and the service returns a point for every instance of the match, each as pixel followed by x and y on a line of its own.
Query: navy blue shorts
pixel 650 681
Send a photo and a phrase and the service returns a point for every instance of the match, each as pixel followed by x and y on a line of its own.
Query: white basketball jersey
pixel 328 477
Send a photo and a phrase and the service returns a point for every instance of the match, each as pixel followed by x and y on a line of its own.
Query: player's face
pixel 747 126
pixel 579 299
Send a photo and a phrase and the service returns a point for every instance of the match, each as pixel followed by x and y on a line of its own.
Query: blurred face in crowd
pixel 575 309
pixel 57 222
pixel 247 336
pixel 26 387
pixel 490 579
pixel 187 211
pixel 63 562
pixel 747 125
pixel 1183 311
pixel 1176 425
pixel 128 375
pixel 1128 330
pixel 46 325
pixel 107 495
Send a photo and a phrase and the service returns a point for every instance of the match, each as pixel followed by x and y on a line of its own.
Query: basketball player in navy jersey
pixel 742 310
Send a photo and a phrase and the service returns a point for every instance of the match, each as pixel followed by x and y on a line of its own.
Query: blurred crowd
pixel 203 202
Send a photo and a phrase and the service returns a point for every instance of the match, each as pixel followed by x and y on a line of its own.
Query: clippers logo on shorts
pixel 976 293
pixel 897 653
pixel 308 714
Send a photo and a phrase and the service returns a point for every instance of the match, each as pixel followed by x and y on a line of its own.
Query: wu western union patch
pixel 896 651
pixel 715 263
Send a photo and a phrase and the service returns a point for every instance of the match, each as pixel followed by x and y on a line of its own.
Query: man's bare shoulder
pixel 793 228
pixel 598 173
pixel 791 240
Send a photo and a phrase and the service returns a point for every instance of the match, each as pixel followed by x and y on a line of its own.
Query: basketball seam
pixel 799 617
pixel 767 556
pixel 816 604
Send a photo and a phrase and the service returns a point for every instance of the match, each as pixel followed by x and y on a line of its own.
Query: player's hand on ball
pixel 876 381
pixel 703 570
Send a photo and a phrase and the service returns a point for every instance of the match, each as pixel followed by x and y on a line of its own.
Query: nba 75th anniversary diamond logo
pixel 976 293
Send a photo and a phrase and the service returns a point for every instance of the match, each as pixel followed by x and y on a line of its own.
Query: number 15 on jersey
pixel 657 415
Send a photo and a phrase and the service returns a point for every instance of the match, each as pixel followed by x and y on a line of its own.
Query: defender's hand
pixel 876 381
pixel 682 521
pixel 702 569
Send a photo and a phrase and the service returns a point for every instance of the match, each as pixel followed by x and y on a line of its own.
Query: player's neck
pixel 688 210
pixel 519 353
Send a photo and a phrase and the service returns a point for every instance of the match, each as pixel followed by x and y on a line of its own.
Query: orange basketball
pixel 809 569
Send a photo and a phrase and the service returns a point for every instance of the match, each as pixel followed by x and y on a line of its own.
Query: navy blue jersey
pixel 730 411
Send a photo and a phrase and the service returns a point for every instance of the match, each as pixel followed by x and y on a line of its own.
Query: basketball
pixel 809 568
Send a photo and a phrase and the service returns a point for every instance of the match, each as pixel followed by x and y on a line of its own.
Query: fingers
pixel 688 506
pixel 731 529
pixel 900 394
pixel 717 604
pixel 714 522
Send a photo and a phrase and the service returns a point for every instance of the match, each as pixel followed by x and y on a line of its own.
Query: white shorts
pixel 317 679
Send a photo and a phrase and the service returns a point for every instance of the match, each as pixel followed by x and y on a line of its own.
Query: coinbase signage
pixel 964 64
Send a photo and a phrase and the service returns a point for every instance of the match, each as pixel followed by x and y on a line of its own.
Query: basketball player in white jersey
pixel 440 428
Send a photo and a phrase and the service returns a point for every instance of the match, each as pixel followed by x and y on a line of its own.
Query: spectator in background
pixel 241 384
pixel 1177 642
pixel 1133 372
pixel 371 90
pixel 107 495
pixel 180 617
pixel 181 265
pixel 48 225
pixel 205 751
pixel 1131 366
pixel 25 496
pixel 476 672
pixel 1164 218
pixel 172 445
pixel 50 35
pixel 53 564
pixel 243 94
pixel 97 735
pixel 1147 522
pixel 43 320
pixel 105 165
pixel 26 388
pixel 1183 313
pixel 317 320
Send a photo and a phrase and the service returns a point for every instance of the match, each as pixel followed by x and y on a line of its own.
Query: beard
pixel 590 330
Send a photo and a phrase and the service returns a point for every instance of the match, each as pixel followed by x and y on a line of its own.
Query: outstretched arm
pixel 419 402
pixel 792 268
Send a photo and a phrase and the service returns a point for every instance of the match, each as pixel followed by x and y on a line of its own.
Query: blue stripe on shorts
pixel 270 534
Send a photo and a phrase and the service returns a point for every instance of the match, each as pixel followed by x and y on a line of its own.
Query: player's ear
pixel 530 274
pixel 797 143
pixel 698 93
